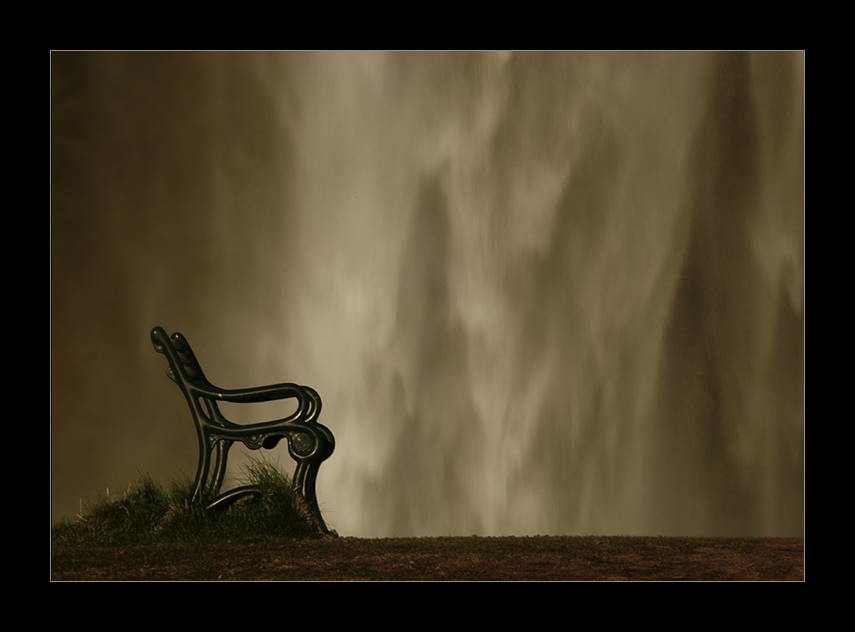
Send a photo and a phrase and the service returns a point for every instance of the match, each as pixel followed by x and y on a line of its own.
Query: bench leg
pixel 221 450
pixel 305 478
pixel 203 488
pixel 202 469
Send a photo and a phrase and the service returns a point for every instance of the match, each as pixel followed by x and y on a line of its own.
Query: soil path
pixel 444 559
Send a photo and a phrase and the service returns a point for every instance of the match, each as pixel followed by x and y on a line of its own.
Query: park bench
pixel 309 443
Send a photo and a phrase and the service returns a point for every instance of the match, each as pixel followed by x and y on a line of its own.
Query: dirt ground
pixel 444 559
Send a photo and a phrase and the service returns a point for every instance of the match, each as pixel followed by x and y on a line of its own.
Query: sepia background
pixel 538 292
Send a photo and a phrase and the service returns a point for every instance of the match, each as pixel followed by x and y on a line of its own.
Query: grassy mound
pixel 149 513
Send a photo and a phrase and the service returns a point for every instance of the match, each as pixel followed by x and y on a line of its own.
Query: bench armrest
pixel 256 394
pixel 308 406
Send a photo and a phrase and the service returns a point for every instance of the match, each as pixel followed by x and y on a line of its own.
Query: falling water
pixel 539 293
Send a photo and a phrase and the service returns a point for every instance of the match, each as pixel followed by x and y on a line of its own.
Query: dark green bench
pixel 309 443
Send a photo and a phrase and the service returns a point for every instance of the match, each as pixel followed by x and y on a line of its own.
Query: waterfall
pixel 539 292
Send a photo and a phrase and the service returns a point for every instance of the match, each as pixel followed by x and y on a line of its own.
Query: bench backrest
pixel 185 371
pixel 182 361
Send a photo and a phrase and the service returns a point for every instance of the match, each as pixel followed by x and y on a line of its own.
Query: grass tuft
pixel 148 513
